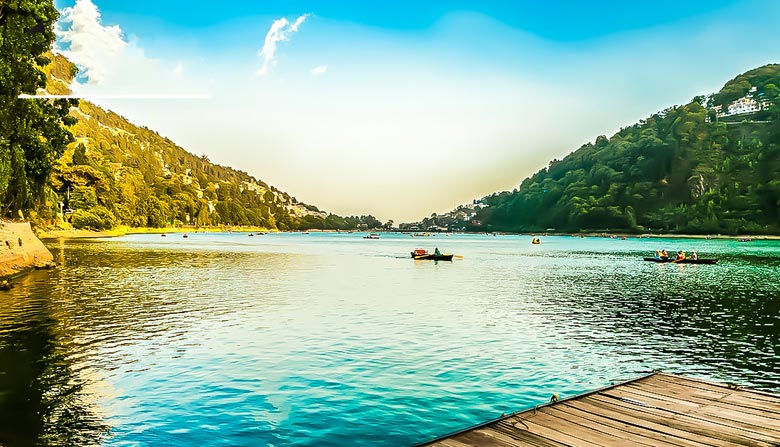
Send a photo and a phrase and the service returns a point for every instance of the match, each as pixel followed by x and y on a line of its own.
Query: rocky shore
pixel 21 250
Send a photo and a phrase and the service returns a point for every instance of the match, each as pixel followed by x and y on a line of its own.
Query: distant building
pixel 750 103
pixel 743 105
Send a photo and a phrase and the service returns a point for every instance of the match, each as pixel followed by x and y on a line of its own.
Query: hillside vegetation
pixel 117 173
pixel 683 170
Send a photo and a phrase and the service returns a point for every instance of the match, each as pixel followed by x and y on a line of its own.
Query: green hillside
pixel 685 170
pixel 115 173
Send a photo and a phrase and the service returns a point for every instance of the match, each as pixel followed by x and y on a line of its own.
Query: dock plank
pixel 724 415
pixel 568 434
pixel 755 398
pixel 699 425
pixel 638 427
pixel 659 426
pixel 659 410
pixel 630 438
pixel 740 398
pixel 700 429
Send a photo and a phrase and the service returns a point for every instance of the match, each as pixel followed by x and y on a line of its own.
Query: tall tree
pixel 32 132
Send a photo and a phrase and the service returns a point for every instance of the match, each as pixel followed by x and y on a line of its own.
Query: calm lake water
pixel 333 340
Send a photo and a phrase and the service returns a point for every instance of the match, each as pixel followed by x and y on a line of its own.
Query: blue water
pixel 334 340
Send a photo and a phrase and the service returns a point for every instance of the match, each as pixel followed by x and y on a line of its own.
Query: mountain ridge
pixel 709 166
pixel 116 172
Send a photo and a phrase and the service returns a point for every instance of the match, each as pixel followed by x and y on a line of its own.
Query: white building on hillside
pixel 743 105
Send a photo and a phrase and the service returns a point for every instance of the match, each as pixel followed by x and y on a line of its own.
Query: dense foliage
pixel 682 170
pixel 32 135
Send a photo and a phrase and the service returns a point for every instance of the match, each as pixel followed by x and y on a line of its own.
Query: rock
pixel 5 285
pixel 21 250
pixel 45 265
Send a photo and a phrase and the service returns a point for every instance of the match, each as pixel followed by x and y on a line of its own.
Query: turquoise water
pixel 333 340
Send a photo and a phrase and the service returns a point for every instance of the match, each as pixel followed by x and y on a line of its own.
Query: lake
pixel 333 340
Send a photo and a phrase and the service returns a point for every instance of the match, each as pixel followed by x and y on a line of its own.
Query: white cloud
pixel 298 22
pixel 90 45
pixel 112 66
pixel 280 31
pixel 316 71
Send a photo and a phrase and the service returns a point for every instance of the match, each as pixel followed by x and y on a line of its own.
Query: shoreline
pixel 676 236
pixel 72 233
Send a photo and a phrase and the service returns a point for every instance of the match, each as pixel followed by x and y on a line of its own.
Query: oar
pixel 457 256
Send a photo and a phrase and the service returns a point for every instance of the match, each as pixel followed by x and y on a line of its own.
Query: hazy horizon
pixel 403 110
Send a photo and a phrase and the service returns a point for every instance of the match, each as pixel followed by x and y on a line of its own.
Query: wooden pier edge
pixel 657 408
pixel 537 407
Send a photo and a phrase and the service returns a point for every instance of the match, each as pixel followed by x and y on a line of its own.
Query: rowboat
pixel 421 253
pixel 683 261
pixel 432 257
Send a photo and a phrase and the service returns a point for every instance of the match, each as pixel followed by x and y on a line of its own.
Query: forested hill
pixel 118 173
pixel 710 166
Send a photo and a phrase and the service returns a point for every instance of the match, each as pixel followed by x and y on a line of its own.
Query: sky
pixel 402 109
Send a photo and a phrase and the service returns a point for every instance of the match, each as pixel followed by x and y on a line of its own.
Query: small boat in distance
pixel 683 261
pixel 185 235
pixel 421 254
pixel 371 236
pixel 536 241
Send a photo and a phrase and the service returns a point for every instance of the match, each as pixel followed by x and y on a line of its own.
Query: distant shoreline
pixel 674 236
pixel 124 231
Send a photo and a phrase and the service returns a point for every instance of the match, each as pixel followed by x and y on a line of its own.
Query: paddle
pixel 457 257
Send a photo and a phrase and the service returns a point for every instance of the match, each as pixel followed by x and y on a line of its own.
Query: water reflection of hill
pixel 45 398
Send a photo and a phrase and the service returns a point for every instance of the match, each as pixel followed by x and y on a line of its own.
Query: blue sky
pixel 555 20
pixel 361 106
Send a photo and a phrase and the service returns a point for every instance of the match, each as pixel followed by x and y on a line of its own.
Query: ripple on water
pixel 325 340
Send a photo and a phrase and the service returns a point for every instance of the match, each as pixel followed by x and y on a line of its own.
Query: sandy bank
pixel 20 249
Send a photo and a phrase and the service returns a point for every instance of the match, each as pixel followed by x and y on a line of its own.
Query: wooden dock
pixel 659 410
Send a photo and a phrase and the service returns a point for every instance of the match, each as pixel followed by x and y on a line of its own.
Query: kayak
pixel 684 261
pixel 432 257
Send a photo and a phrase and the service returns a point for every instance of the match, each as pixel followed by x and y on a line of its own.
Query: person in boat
pixel 658 255
pixel 680 256
pixel 694 256
pixel 436 251
pixel 664 254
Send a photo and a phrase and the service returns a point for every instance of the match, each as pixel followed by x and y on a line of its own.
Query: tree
pixel 32 135
pixel 80 155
